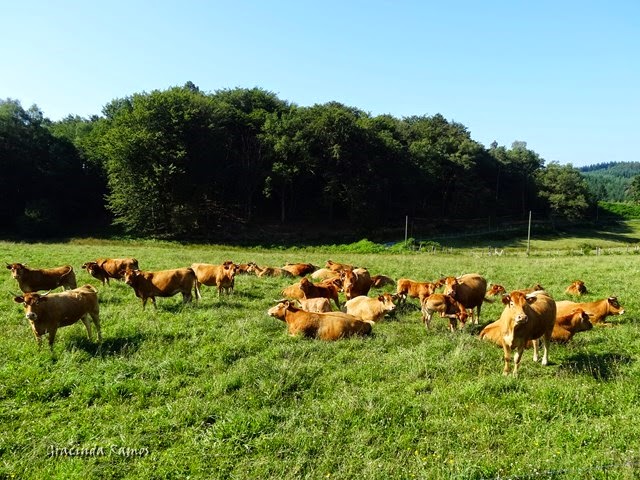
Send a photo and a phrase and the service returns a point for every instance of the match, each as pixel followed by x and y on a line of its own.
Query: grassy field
pixel 219 390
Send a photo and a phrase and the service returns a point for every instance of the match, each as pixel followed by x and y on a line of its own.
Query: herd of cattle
pixel 529 315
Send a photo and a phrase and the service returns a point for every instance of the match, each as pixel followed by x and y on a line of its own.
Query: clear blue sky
pixel 563 76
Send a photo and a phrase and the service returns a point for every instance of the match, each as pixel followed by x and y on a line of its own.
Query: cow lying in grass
pixel 371 309
pixel 324 326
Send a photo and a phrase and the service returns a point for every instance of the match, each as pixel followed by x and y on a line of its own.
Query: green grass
pixel 219 390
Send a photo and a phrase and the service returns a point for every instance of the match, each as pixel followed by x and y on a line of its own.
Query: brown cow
pixel 162 283
pixel 379 281
pixel 325 326
pixel 50 311
pixel 106 268
pixel 410 288
pixel 315 290
pixel 222 276
pixel 299 269
pixel 496 289
pixel 526 317
pixel 598 311
pixel 355 282
pixel 469 290
pixel 576 288
pixel 371 309
pixel 447 306
pixel 564 328
pixel 295 292
pixel 268 271
pixel 318 305
pixel 32 280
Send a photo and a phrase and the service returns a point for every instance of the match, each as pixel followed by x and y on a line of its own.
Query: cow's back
pixel 65 308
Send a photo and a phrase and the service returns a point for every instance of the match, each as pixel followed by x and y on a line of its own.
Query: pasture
pixel 218 389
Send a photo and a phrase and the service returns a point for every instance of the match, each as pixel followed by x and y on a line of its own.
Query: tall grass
pixel 219 390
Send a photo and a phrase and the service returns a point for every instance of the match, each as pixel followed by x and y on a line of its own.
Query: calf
pixel 325 326
pixel 409 288
pixel 370 309
pixel 318 305
pixel 526 317
pixel 299 269
pixel 162 283
pixel 469 290
pixel 447 306
pixel 568 325
pixel 598 311
pixel 222 276
pixel 576 288
pixel 355 282
pixel 32 280
pixel 106 268
pixel 268 271
pixel 49 312
pixel 315 290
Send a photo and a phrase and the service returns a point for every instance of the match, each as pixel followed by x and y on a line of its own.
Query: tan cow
pixel 410 288
pixel 221 276
pixel 299 269
pixel 324 274
pixel 470 290
pixel 496 289
pixel 315 290
pixel 106 268
pixel 318 305
pixel 371 309
pixel 49 312
pixel 32 280
pixel 324 326
pixel 380 281
pixel 526 316
pixel 576 288
pixel 598 310
pixel 446 306
pixel 268 271
pixel 338 267
pixel 355 282
pixel 162 283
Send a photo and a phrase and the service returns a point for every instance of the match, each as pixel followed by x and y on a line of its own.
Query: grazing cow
pixel 50 311
pixel 105 268
pixel 222 276
pixel 355 282
pixel 576 288
pixel 325 326
pixel 379 281
pixel 315 290
pixel 469 290
pixel 568 325
pixel 318 305
pixel 32 280
pixel 268 271
pixel 371 309
pixel 447 306
pixel 564 328
pixel 496 289
pixel 338 267
pixel 299 269
pixel 598 311
pixel 324 274
pixel 162 283
pixel 409 288
pixel 526 316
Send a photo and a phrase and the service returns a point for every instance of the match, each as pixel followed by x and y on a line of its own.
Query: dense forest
pixel 612 181
pixel 182 163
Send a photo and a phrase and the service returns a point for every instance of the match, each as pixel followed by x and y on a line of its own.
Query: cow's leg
pixel 95 316
pixel 507 358
pixel 545 348
pixel 186 297
pixel 477 318
pixel 87 324
pixel 535 349
pixel 516 359
pixel 52 337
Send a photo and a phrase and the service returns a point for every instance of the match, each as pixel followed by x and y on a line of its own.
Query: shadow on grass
pixel 603 366
pixel 119 346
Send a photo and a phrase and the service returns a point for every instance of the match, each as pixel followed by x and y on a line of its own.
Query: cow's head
pixel 31 302
pixel 496 290
pixel 519 302
pixel 580 320
pixel 386 299
pixel 280 309
pixel 17 269
pixel 230 268
pixel 93 268
pixel 450 286
pixel 614 307
pixel 129 275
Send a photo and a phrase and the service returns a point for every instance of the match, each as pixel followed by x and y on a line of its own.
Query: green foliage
pixel 219 390
pixel 627 211
pixel 611 181
pixel 565 190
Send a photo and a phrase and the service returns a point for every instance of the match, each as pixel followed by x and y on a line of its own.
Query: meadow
pixel 217 389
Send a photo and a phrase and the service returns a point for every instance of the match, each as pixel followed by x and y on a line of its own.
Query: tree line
pixel 183 163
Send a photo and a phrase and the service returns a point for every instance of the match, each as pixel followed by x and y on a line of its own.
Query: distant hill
pixel 610 181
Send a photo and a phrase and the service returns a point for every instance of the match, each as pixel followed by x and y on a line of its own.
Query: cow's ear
pixel 506 299
pixel 381 298
pixel 8 267
pixel 531 299
pixel 18 299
